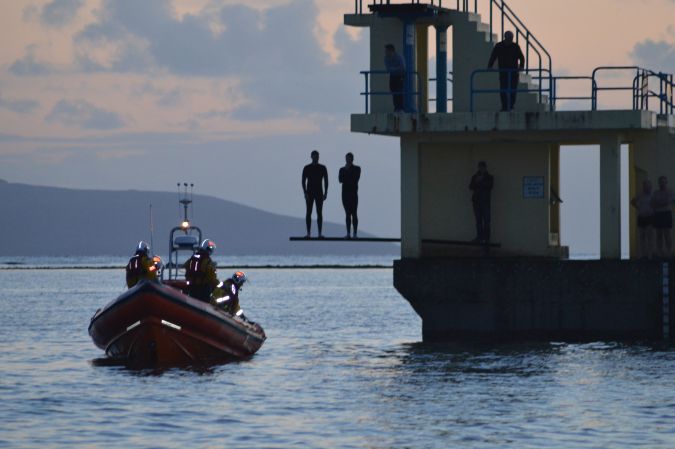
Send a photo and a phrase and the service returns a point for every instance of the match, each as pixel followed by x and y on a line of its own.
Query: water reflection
pixel 202 369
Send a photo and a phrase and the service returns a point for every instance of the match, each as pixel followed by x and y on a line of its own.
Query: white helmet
pixel 208 246
pixel 142 248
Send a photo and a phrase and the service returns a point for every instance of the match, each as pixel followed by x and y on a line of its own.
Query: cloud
pixel 82 114
pixel 656 55
pixel 59 13
pixel 274 52
pixel 19 106
pixel 30 66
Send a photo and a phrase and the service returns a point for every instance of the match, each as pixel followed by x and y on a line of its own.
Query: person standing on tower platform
pixel 481 185
pixel 662 203
pixel 349 178
pixel 645 220
pixel 511 60
pixel 396 67
pixel 200 272
pixel 313 176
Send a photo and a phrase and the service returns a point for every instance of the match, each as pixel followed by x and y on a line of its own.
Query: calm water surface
pixel 342 368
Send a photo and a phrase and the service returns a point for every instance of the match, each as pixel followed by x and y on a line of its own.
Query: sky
pixel 234 95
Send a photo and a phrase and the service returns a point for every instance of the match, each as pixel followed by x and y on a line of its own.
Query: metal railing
pixel 664 94
pixel 557 97
pixel 639 88
pixel 634 88
pixel 369 93
pixel 544 74
pixel 448 80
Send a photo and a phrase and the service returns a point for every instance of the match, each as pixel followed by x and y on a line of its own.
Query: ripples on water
pixel 342 368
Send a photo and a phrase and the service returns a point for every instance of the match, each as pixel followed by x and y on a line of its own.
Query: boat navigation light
pixel 185 224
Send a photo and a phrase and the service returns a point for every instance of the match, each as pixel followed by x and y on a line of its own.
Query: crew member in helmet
pixel 141 266
pixel 226 296
pixel 200 272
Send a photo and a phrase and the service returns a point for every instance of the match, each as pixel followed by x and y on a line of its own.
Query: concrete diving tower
pixel 526 288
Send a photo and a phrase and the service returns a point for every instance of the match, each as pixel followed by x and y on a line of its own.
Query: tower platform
pixel 568 126
pixel 526 288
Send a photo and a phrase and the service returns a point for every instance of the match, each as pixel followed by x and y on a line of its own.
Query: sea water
pixel 343 367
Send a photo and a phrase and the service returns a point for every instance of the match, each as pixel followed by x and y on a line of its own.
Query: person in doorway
pixel 645 219
pixel 662 201
pixel 349 176
pixel 141 266
pixel 481 185
pixel 396 67
pixel 226 295
pixel 313 176
pixel 510 59
pixel 200 272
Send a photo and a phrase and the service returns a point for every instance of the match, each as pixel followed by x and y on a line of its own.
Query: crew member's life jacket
pixel 139 267
pixel 226 296
pixel 197 269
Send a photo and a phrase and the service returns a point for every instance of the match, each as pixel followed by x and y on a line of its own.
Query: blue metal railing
pixel 368 93
pixel 639 87
pixel 634 88
pixel 544 74
pixel 448 80
pixel 557 97
pixel 664 93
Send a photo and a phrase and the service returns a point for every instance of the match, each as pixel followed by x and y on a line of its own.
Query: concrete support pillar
pixel 411 239
pixel 610 198
pixel 633 190
pixel 409 34
pixel 441 68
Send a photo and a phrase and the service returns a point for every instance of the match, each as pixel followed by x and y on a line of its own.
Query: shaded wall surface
pixel 534 298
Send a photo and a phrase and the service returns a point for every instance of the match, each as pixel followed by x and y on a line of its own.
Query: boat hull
pixel 157 324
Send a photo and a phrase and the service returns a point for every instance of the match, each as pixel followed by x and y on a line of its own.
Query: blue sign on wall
pixel 533 187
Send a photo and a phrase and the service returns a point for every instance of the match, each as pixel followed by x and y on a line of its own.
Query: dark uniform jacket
pixel 481 187
pixel 140 266
pixel 200 273
pixel 226 296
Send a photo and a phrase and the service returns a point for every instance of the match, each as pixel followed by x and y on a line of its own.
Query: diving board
pixel 343 239
pixel 393 240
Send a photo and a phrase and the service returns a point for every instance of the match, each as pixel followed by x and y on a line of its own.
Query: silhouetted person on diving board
pixel 511 60
pixel 349 176
pixel 313 175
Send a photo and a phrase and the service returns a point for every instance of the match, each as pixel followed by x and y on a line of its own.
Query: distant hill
pixel 49 221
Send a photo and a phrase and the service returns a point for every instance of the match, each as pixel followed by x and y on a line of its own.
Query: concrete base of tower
pixel 537 299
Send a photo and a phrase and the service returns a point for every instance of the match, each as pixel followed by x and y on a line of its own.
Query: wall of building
pixel 520 225
pixel 534 299
pixel 651 155
pixel 383 32
pixel 654 155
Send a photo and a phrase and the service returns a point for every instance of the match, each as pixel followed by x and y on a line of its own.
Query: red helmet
pixel 239 278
